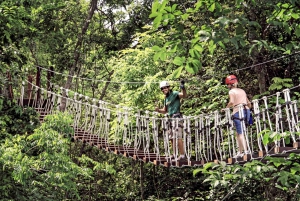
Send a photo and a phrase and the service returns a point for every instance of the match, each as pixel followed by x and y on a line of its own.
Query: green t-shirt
pixel 172 102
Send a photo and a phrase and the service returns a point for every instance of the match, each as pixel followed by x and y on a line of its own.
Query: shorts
pixel 175 131
pixel 238 122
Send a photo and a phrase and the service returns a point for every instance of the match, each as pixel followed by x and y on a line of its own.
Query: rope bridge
pixel 142 135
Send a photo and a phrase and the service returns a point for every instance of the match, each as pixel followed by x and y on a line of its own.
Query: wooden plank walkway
pixel 154 158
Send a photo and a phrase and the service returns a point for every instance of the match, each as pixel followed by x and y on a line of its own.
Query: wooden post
pixel 50 74
pixel 38 83
pixel 29 86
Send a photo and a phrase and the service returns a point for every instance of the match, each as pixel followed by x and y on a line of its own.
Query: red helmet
pixel 231 79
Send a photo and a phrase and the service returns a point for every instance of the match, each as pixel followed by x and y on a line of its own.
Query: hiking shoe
pixel 238 155
pixel 180 158
pixel 247 152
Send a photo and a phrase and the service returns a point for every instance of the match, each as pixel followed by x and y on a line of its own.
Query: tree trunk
pixel 78 45
pixel 261 78
pixel 106 85
pixel 253 34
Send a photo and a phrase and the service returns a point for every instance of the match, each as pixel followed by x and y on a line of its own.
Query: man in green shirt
pixel 172 108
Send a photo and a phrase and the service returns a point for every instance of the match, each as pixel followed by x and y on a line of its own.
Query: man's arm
pixel 183 93
pixel 230 104
pixel 249 104
pixel 161 110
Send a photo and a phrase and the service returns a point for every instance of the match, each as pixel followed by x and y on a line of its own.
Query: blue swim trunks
pixel 238 122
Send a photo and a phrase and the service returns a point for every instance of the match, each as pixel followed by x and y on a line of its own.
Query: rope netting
pixel 144 135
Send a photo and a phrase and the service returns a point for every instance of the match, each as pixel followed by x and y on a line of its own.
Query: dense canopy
pixel 118 52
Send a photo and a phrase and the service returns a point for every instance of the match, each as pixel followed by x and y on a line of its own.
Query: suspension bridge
pixel 142 135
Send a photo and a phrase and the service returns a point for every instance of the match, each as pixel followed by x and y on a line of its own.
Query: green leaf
pixel 284 178
pixel 211 47
pixel 287 140
pixel 198 5
pixel 222 45
pixel 156 56
pixel 195 172
pixel 295 15
pixel 197 54
pixel 277 161
pixel 168 9
pixel 177 72
pixel 155 6
pixel 179 61
pixel 198 47
pixel 216 183
pixel 258 168
pixel 184 16
pixel 189 68
pixel 163 56
pixel 156 48
pixel 212 7
pixel 294 170
pixel 243 43
pixel 266 138
pixel 174 6
pixel 163 5
pixel 239 30
pixel 152 15
pixel 157 21
pixel 191 51
pixel 197 65
pixel 297 31
pixel 233 41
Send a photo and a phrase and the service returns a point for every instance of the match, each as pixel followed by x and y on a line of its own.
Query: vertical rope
pixel 197 139
pixel 215 141
pixel 166 127
pixel 147 134
pixel 174 130
pixel 188 138
pixel 258 125
pixel 245 131
pixel 155 138
pixel 278 118
pixel 118 127
pixel 265 99
pixel 208 139
pixel 137 139
pixel 289 113
pixel 21 103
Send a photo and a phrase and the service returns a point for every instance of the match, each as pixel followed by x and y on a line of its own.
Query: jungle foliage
pixel 118 51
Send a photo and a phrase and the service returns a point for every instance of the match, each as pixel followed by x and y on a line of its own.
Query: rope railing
pixel 144 135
